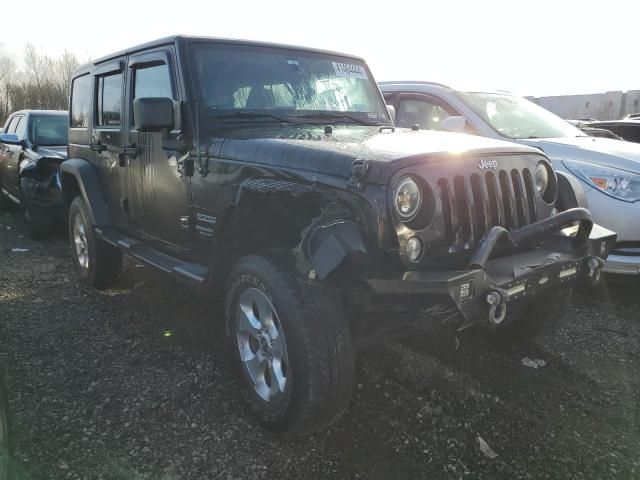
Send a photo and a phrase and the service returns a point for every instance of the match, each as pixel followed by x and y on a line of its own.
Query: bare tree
pixel 43 83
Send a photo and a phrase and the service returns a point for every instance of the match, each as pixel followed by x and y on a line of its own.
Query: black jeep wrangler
pixel 274 174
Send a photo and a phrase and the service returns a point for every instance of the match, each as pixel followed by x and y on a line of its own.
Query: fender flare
pixel 570 192
pixel 88 183
pixel 328 245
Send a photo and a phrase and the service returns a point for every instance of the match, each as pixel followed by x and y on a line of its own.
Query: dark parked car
pixel 274 174
pixel 628 130
pixel 32 147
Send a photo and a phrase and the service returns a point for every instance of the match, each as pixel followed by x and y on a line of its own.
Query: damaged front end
pixel 564 255
pixel 40 182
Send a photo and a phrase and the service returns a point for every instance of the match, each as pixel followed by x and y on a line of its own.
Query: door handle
pixel 97 147
pixel 132 150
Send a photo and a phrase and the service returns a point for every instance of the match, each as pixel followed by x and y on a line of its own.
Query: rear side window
pixel 81 102
pixel 109 100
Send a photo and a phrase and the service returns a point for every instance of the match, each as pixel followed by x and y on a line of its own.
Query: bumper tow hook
pixel 497 307
pixel 595 265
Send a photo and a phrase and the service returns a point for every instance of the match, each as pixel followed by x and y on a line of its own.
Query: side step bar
pixel 193 274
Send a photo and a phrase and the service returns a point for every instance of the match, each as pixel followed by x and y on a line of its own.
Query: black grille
pixel 471 206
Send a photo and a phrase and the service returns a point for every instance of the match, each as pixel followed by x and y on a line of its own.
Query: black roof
pixel 174 38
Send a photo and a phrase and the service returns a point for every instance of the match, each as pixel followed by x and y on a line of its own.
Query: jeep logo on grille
pixel 488 164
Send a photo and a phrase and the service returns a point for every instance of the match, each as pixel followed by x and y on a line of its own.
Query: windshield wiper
pixel 249 114
pixel 339 115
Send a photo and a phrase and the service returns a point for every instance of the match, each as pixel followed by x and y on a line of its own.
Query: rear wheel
pixel 540 317
pixel 98 263
pixel 291 343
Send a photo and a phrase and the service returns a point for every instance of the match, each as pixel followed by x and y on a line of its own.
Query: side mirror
pixel 392 112
pixel 10 139
pixel 454 123
pixel 153 114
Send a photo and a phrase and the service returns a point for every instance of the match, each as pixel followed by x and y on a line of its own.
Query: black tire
pixel 5 433
pixel 320 373
pixel 40 221
pixel 103 262
pixel 538 318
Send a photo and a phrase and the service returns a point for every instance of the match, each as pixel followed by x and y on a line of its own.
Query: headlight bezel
pixel 405 180
pixel 424 214
pixel 550 193
pixel 586 172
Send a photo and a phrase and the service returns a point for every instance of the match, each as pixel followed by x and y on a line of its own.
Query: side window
pixel 21 127
pixel 152 81
pixel 81 102
pixel 426 114
pixel 11 125
pixel 109 100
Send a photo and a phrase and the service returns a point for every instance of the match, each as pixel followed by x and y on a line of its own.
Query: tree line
pixel 41 83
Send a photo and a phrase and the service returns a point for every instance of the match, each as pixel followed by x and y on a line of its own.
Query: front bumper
pixel 562 257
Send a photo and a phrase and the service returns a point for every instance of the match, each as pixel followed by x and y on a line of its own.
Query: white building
pixel 601 106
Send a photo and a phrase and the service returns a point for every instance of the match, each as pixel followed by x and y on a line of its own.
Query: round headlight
pixel 408 199
pixel 542 179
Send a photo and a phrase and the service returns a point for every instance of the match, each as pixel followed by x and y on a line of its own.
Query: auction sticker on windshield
pixel 349 70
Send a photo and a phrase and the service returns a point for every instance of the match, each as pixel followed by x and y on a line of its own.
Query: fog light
pixel 414 249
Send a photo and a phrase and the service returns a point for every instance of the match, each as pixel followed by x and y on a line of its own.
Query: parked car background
pixel 594 131
pixel 628 129
pixel 609 170
pixel 32 147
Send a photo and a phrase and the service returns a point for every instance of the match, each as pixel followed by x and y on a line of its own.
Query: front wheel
pixel 541 316
pixel 291 343
pixel 97 263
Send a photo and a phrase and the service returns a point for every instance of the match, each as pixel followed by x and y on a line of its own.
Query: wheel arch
pixel 319 228
pixel 78 177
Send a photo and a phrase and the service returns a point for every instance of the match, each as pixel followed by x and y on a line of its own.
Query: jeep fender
pixel 326 246
pixel 89 185
pixel 570 192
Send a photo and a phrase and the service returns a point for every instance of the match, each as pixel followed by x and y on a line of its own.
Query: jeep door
pixel 107 139
pixel 157 189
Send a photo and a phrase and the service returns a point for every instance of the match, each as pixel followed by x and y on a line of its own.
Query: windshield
pixel 517 117
pixel 291 83
pixel 48 130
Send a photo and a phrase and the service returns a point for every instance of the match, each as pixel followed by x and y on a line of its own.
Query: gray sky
pixel 538 47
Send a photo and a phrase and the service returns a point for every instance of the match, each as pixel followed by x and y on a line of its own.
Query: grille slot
pixel 472 205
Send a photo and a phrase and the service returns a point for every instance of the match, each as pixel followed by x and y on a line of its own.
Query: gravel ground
pixel 135 383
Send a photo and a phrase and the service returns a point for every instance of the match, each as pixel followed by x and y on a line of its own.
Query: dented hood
pixel 53 152
pixel 310 149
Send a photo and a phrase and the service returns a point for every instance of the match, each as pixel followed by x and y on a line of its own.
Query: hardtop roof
pixel 192 38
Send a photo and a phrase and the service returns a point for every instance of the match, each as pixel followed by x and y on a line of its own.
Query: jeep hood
pixel 310 149
pixel 600 151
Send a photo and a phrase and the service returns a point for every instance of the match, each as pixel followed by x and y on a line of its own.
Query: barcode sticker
pixel 349 70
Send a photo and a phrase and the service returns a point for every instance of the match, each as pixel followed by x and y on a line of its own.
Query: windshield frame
pixel 462 96
pixel 297 116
